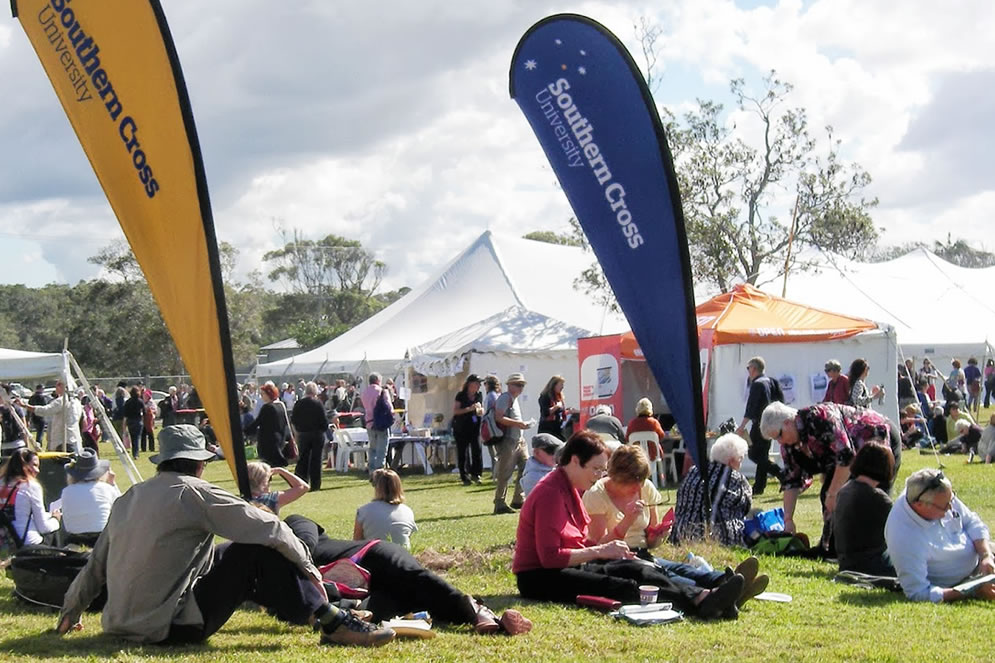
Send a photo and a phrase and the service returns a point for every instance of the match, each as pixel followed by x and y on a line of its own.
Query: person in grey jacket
pixel 167 582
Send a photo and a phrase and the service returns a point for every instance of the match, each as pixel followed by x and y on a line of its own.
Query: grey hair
pixel 727 448
pixel 833 365
pixel 311 389
pixel 603 409
pixel 374 378
pixel 758 363
pixel 962 425
pixel 918 480
pixel 773 418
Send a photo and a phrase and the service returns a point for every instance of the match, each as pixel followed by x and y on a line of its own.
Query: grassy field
pixel 825 621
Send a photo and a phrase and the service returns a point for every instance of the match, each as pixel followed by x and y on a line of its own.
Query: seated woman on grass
pixel 623 506
pixel 728 491
pixel 556 559
pixel 861 512
pixel 260 475
pixel 387 517
pixel 88 498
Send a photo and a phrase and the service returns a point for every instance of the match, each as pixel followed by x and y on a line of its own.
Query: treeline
pixel 114 326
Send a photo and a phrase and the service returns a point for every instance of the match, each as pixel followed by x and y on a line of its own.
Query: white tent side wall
pixel 441 390
pixel 941 354
pixel 803 363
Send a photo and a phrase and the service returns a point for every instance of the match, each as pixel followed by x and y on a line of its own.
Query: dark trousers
pixel 309 446
pixel 468 455
pixel 759 453
pixel 398 583
pixel 617 580
pixel 90 442
pixel 40 430
pixel 135 432
pixel 243 572
pixel 148 437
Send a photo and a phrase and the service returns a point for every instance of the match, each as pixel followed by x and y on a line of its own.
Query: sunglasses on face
pixel 935 483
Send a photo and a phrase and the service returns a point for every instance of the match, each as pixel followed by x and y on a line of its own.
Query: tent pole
pixel 126 460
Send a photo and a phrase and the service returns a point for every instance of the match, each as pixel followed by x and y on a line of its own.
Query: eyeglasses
pixel 933 484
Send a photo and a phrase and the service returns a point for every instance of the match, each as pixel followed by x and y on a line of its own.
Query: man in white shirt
pixel 935 542
pixel 62 415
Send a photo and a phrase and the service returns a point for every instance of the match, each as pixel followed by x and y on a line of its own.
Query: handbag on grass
pixel 347 571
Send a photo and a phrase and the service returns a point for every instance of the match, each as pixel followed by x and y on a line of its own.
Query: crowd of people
pixel 589 520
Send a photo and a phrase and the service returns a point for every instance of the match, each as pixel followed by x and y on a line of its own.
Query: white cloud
pixel 393 125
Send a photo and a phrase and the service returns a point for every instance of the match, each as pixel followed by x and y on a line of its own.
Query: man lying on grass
pixel 935 541
pixel 167 582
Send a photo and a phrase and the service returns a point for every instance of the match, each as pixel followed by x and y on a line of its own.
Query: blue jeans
pixel 378 448
pixel 685 574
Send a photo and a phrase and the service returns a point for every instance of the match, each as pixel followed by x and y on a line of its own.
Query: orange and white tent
pixel 795 341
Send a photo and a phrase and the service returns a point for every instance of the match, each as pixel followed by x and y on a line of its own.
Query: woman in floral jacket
pixel 823 439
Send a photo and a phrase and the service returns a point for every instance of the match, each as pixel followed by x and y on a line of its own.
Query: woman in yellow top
pixel 623 506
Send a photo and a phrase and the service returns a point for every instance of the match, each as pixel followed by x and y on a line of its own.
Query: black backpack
pixel 383 413
pixel 10 542
pixel 42 575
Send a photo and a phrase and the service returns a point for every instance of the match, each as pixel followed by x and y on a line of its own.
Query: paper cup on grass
pixel 648 594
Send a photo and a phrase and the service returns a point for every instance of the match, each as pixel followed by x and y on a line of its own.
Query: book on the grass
pixel 412 628
pixel 968 586
pixel 644 615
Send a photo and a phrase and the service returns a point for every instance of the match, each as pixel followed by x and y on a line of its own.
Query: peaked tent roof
pixel 492 274
pixel 513 331
pixel 927 299
pixel 22 364
pixel 746 314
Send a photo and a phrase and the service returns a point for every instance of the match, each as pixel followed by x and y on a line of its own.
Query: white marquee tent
pixel 490 276
pixel 938 310
pixel 513 340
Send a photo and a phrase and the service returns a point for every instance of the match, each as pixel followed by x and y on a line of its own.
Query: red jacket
pixel 552 522
pixel 838 391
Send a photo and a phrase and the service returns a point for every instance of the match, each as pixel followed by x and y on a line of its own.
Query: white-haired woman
pixel 730 494
pixel 644 422
pixel 823 439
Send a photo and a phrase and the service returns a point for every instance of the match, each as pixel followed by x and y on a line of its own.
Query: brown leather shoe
pixel 515 623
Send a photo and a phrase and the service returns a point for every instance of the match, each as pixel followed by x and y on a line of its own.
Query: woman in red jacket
pixel 556 561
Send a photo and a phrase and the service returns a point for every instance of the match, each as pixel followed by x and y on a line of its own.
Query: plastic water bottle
pixel 698 561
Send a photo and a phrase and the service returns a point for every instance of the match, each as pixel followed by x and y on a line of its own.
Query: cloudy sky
pixel 390 121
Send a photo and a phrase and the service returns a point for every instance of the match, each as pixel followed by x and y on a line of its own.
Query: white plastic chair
pixel 644 439
pixel 346 450
pixel 668 456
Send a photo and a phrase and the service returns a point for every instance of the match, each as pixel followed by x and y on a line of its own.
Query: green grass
pixel 824 622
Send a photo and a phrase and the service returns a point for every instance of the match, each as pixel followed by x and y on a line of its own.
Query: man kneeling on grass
pixel 167 582
pixel 935 541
